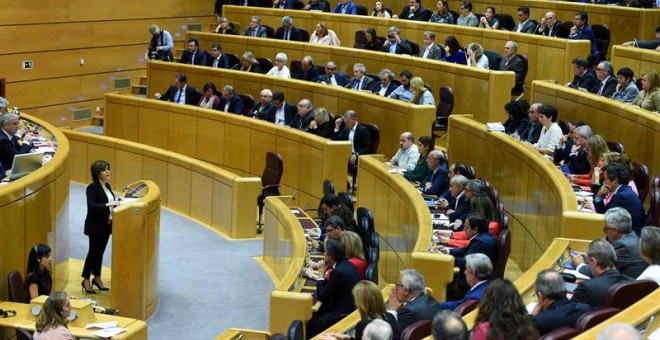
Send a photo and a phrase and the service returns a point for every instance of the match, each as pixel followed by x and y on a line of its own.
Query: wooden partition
pixel 236 143
pixel 194 188
pixel 637 129
pixel 639 60
pixel 491 87
pixel 536 195
pixel 35 209
pixel 549 58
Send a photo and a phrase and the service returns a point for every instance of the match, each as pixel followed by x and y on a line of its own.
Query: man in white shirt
pixel 430 50
pixel 385 86
pixel 524 24
pixel 408 154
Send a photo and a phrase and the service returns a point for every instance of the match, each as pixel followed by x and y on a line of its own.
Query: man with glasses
pixel 572 149
pixel 478 269
pixel 255 29
pixel 607 82
pixel 333 78
pixel 304 117
pixel 385 86
pixel 309 71
pixel 584 78
pixel 408 301
pixel 265 106
pixel 287 31
pixel 549 26
pixel 218 60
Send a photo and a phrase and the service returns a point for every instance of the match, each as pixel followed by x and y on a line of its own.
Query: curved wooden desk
pixel 493 88
pixel 637 59
pixel 35 209
pixel 549 58
pixel 637 129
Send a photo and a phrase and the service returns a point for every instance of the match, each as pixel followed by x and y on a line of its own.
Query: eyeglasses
pixel 605 229
pixel 7 313
pixel 398 285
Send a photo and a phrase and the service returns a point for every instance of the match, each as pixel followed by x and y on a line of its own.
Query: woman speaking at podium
pixel 98 224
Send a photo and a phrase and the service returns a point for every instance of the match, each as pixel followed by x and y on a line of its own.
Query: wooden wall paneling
pixel 639 60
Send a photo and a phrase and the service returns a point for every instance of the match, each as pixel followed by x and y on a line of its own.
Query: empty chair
pixel 304 34
pixel 565 29
pixel 234 61
pixel 506 21
pixel 361 9
pixel 22 334
pixel 640 175
pixel 346 200
pixel 270 181
pixel 375 241
pixel 295 67
pixel 494 59
pixel 615 147
pixel 296 330
pixel 248 101
pixel 297 4
pixel 360 39
pixel 417 331
pixel 414 47
pixel 653 215
pixel 266 64
pixel 624 294
pixel 442 113
pixel 16 287
pixel 372 273
pixel 566 128
pixel 466 307
pixel 602 33
pixel 328 187
pixel 365 213
pixel 374 255
pixel 564 333
pixel 270 32
pixel 454 14
pixel 594 317
pixel 503 251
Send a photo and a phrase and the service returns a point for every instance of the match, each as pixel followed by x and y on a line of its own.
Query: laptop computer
pixel 24 164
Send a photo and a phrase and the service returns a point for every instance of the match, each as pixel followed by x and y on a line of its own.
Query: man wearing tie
pixel 360 80
pixel 607 82
pixel 331 78
pixel 193 55
pixel 11 143
pixel 255 29
pixel 288 31
pixel 304 117
pixel 218 60
pixel 180 92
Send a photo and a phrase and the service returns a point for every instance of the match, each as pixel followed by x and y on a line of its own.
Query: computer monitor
pixel 26 163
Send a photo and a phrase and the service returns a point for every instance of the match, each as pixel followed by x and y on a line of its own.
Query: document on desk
pixel 577 274
pixel 103 325
pixel 109 332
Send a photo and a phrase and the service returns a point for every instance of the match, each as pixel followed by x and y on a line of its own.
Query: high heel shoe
pixel 90 291
pixel 94 283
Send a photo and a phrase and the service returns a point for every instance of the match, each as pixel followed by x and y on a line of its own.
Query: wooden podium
pixel 135 244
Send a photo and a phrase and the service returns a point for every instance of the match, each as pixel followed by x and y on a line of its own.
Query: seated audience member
pixel 333 228
pixel 457 168
pixel 467 18
pixel 602 261
pixel 161 44
pixel 255 29
pixel 249 63
pixel 287 31
pixel 347 216
pixel 443 15
pixel 264 107
pixel 524 24
pixel 324 36
pixel 371 42
pixel 482 204
pixel 425 146
pixel 517 121
pixel 218 60
pixel 328 203
pixel 448 325
pixel 626 90
pixel 280 70
pixel 649 44
pixel 649 248
pixel 10 142
pixel 38 280
pixel 476 56
pixel 553 309
pixel 460 207
pixel 246 3
pixel 283 113
pixel 437 181
pixel 532 132
pixel 489 20
pixel 619 331
pixel 421 95
pixel 331 78
pixel 283 4
pixel 335 290
pixel 316 5
pixel 596 146
pixel 385 86
pixel 210 99
pixel 478 269
pixel 345 7
pixel 551 132
pixel 309 71
pixel 379 330
pixel 304 117
pixel 574 153
pixel 180 92
pixel 224 27
pixel 415 11
pixel 230 101
pixel 584 78
pixel 549 25
pixel 430 50
pixel 511 62
pixel 193 55
pixel 606 82
pixel 502 314
pixel 380 11
pixel 618 231
pixel 481 241
pixel 355 252
pixel 53 319
pixel 582 31
pixel 394 44
pixel 408 301
pixel 454 51
pixel 408 154
pixel 361 141
pixel 403 92
pixel 649 97
pixel 321 126
pixel 621 158
pixel 616 180
pixel 360 80
pixel 4 105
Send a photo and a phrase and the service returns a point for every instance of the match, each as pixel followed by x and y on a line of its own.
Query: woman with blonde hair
pixel 224 27
pixel 596 147
pixel 53 319
pixel 649 97
pixel 249 63
pixel 421 96
pixel 476 56
pixel 355 252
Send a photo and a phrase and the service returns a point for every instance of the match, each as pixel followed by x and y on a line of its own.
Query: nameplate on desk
pixel 83 311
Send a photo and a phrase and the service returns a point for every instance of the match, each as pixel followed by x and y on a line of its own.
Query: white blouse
pixel 283 73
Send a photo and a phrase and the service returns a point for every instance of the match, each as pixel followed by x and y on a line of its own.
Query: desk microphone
pixel 292 198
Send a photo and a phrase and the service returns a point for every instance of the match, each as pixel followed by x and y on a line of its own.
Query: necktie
pixel 254 32
pixel 357 85
pixel 602 85
pixel 286 35
pixel 178 98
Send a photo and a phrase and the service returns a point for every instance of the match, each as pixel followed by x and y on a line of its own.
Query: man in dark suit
pixel 230 102
pixel 309 71
pixel 218 60
pixel 193 55
pixel 331 77
pixel 532 132
pixel 415 11
pixel 10 144
pixel 461 206
pixel 316 5
pixel 334 289
pixel 345 7
pixel 283 113
pixel 617 177
pixel 304 117
pixel 283 4
pixel 255 29
pixel 583 77
pixel 437 180
pixel 550 26
pixel 481 241
pixel 524 24
pixel 180 92
pixel 357 134
pixel 553 310
pixel 582 31
pixel 478 269
pixel 408 301
pixel 511 61
pixel 430 50
pixel 602 260
pixel 607 82
pixel 287 31
pixel 360 80
pixel 394 44
pixel 249 3
pixel 264 107
pixel 385 86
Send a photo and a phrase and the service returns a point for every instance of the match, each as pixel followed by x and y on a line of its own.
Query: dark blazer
pixel 586 33
pixel 222 63
pixel 367 83
pixel 472 294
pixel 322 6
pixel 578 163
pixel 251 3
pixel 403 47
pixel 434 53
pixel 561 313
pixel 462 209
pixel 350 8
pixel 361 139
pixel 593 292
pixel 484 243
pixel 255 68
pixel 556 29
pixel 302 123
pixel 96 222
pixel 295 34
pixel 608 90
pixel 235 105
pixel 390 87
pixel 515 64
pixel 375 46
pixel 261 111
pixel 261 31
pixel 629 262
pixel 311 75
pixel 324 130
pixel 340 77
pixel 335 292
pixel 439 180
pixel 421 14
pixel 192 95
pixel 587 81
pixel 423 307
pixel 200 58
pixel 627 199
pixel 528 27
pixel 284 4
pixel 290 112
pixel 8 149
pixel 532 132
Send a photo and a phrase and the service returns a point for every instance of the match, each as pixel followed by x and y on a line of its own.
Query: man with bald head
pixel 532 132
pixel 448 325
pixel 264 107
pixel 309 71
pixel 408 154
pixel 304 117
pixel 549 25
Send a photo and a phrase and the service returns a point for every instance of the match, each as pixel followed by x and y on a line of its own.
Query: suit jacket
pixel 587 81
pixel 390 87
pixel 532 132
pixel 403 47
pixel 324 130
pixel 8 149
pixel 629 262
pixel 439 180
pixel 340 77
pixel 302 123
pixel 284 4
pixel 335 292
pixel 484 243
pixel 350 8
pixel 192 95
pixel 473 294
pixel 261 31
pixel 235 105
pixel 200 58
pixel 556 29
pixel 261 111
pixel 222 63
pixel 515 64
pixel 421 14
pixel 311 75
pixel 627 199
pixel 294 35
pixel 290 112
pixel 434 53
pixel 527 27
pixel 608 90
pixel 367 83
pixel 578 164
pixel 593 292
pixel 96 222
pixel 462 209
pixel 361 139
pixel 561 313
pixel 586 33
pixel 423 307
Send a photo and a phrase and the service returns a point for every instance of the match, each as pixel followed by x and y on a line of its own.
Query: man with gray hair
pixel 10 142
pixel 230 101
pixel 377 330
pixel 618 231
pixel 572 149
pixel 4 105
pixel 602 261
pixel 430 50
pixel 287 31
pixel 606 84
pixel 394 44
pixel 408 154
pixel 408 301
pixel 460 207
pixel 309 71
pixel 161 44
pixel 360 80
pixel 437 180
pixel 255 29
pixel 448 325
pixel 553 309
pixel 619 331
pixel 511 61
pixel 478 268
pixel 304 117
pixel 385 86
